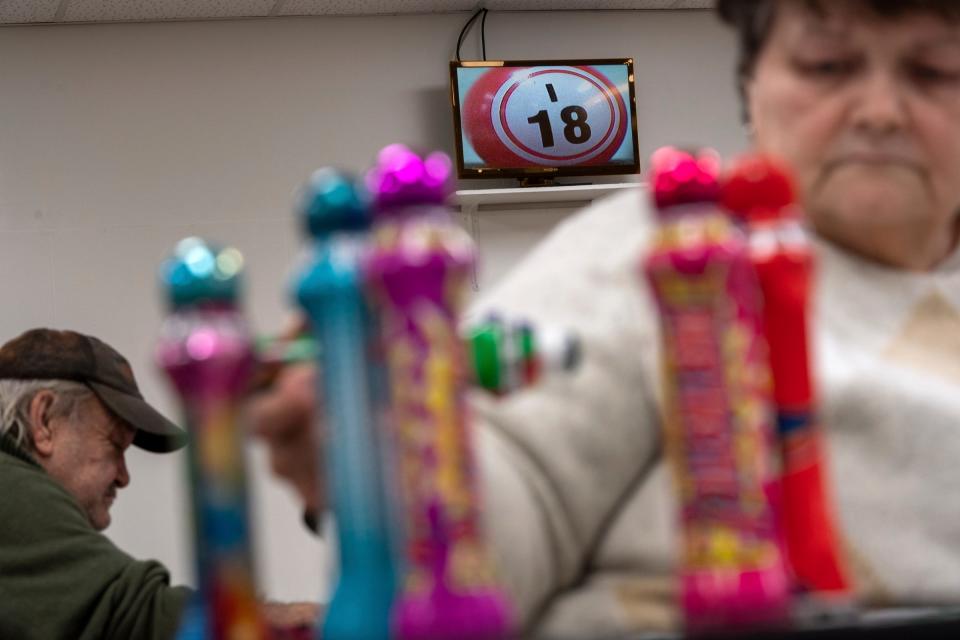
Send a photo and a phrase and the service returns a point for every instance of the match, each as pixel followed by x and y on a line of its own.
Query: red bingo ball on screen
pixel 544 116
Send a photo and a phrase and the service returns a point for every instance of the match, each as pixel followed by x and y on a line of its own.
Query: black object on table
pixel 887 624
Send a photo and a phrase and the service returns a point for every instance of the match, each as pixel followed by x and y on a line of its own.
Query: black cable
pixel 463 31
pixel 483 33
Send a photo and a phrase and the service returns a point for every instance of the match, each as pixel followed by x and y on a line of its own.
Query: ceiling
pixel 15 12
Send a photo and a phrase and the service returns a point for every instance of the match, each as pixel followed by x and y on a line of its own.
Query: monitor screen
pixel 526 118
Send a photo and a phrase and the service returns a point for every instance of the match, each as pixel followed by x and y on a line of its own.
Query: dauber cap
pixel 331 200
pixel 201 273
pixel 758 188
pixel 679 177
pixel 401 177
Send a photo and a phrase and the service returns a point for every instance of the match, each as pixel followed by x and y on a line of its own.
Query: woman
pixel 862 99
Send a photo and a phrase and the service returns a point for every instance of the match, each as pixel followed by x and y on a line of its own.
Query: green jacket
pixel 60 579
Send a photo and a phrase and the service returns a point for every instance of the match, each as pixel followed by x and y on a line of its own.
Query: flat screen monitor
pixel 544 118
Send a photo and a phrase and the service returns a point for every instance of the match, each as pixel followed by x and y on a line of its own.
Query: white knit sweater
pixel 579 507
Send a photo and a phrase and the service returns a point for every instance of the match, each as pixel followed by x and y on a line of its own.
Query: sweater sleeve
pixel 556 462
pixel 61 579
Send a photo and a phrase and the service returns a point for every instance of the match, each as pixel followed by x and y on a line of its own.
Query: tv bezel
pixel 547 172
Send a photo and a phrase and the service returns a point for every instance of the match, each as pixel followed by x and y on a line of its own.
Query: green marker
pixel 504 357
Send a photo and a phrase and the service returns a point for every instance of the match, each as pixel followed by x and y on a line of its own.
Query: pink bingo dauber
pixel 718 420
pixel 419 270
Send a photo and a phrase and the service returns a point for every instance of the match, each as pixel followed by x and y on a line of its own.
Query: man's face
pixel 87 458
pixel 867 111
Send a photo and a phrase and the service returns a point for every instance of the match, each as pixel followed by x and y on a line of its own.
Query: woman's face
pixel 867 111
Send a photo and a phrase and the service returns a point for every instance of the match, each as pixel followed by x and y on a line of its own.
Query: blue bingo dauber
pixel 206 349
pixel 353 384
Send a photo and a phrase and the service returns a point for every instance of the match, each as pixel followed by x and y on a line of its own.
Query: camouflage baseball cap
pixel 45 354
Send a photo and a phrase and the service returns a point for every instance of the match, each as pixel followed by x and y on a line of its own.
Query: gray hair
pixel 15 399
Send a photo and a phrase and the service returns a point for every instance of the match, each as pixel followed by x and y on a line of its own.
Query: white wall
pixel 117 140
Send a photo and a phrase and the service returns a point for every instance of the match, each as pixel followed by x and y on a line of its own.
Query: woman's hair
pixel 753 19
pixel 15 398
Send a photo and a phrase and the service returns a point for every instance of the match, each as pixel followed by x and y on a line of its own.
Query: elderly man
pixel 69 409
pixel 862 99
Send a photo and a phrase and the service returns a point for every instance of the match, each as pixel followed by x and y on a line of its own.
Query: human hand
pixel 293 620
pixel 283 416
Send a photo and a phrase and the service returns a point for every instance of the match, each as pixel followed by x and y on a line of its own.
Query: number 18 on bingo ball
pixel 544 116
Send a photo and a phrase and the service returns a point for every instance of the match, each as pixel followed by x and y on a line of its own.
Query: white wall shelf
pixel 473 201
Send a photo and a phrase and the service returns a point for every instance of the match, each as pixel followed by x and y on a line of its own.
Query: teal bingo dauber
pixel 331 290
pixel 207 351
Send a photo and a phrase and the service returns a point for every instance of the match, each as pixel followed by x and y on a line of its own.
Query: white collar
pixel 872 301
